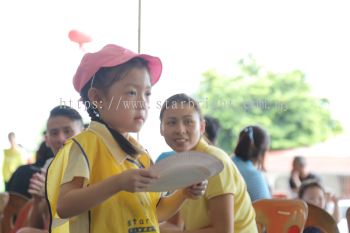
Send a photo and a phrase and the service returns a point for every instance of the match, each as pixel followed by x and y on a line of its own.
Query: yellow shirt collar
pixel 102 131
pixel 202 145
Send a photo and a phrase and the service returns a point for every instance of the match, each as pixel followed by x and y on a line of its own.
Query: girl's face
pixel 125 106
pixel 182 127
pixel 315 196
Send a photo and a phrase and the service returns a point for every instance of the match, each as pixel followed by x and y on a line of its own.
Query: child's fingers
pixel 146 180
pixel 148 173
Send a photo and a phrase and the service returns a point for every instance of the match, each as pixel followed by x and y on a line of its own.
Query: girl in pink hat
pixel 98 181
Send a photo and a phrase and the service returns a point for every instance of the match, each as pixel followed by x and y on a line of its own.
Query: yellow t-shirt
pixel 195 213
pixel 99 158
pixel 12 160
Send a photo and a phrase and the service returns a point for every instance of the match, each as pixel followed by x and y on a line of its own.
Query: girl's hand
pixel 137 180
pixel 196 191
pixel 330 197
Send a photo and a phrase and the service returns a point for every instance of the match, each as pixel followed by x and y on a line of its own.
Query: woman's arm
pixel 75 199
pixel 170 205
pixel 336 211
pixel 220 214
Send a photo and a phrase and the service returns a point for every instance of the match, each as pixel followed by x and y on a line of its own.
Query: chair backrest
pixel 348 218
pixel 321 219
pixel 4 198
pixel 15 203
pixel 23 216
pixel 280 215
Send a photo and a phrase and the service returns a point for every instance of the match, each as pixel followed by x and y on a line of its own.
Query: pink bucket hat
pixel 112 55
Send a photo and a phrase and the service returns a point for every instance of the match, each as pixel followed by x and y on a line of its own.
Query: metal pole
pixel 139 42
pixel 139 29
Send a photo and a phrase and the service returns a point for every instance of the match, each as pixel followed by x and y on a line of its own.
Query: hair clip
pixel 250 132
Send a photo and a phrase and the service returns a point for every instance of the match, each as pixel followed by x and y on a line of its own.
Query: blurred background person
pixel 300 173
pixel 249 154
pixel 12 159
pixel 20 179
pixel 312 192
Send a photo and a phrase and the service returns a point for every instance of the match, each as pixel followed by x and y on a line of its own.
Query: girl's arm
pixel 75 199
pixel 170 205
pixel 336 212
pixel 220 214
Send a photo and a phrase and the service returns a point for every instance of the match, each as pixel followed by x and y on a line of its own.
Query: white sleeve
pixel 77 166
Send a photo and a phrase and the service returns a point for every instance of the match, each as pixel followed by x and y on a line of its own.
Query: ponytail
pixel 252 144
pixel 246 148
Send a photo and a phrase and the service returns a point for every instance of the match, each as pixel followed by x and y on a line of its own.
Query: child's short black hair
pixel 311 183
pixel 66 111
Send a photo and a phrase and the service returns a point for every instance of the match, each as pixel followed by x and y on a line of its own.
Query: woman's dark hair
pixel 42 154
pixel 310 183
pixel 177 101
pixel 212 128
pixel 252 144
pixel 102 80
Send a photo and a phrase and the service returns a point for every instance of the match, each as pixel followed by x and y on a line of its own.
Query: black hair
pixel 102 80
pixel 66 111
pixel 175 100
pixel 212 128
pixel 310 183
pixel 300 160
pixel 252 144
pixel 11 135
pixel 42 154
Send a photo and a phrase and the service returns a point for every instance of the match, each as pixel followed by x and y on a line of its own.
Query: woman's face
pixel 315 196
pixel 182 127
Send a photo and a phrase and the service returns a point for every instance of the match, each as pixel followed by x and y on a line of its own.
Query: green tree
pixel 282 103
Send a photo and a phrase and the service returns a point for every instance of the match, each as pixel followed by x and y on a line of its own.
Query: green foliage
pixel 282 103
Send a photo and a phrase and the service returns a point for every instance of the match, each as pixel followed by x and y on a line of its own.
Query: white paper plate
pixel 184 169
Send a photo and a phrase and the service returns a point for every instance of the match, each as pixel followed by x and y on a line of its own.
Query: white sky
pixel 38 60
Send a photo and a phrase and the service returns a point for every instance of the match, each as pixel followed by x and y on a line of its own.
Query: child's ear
pixel 202 126
pixel 94 95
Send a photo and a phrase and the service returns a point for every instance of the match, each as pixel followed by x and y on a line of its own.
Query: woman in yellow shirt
pixel 225 207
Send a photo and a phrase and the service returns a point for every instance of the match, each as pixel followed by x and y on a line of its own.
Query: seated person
pixel 20 179
pixel 225 206
pixel 300 173
pixel 249 156
pixel 212 129
pixel 311 191
pixel 63 123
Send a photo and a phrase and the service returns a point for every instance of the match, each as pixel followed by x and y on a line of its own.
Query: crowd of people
pixel 95 179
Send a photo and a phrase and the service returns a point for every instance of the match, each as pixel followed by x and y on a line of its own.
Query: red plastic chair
pixel 280 215
pixel 321 219
pixel 22 217
pixel 14 205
